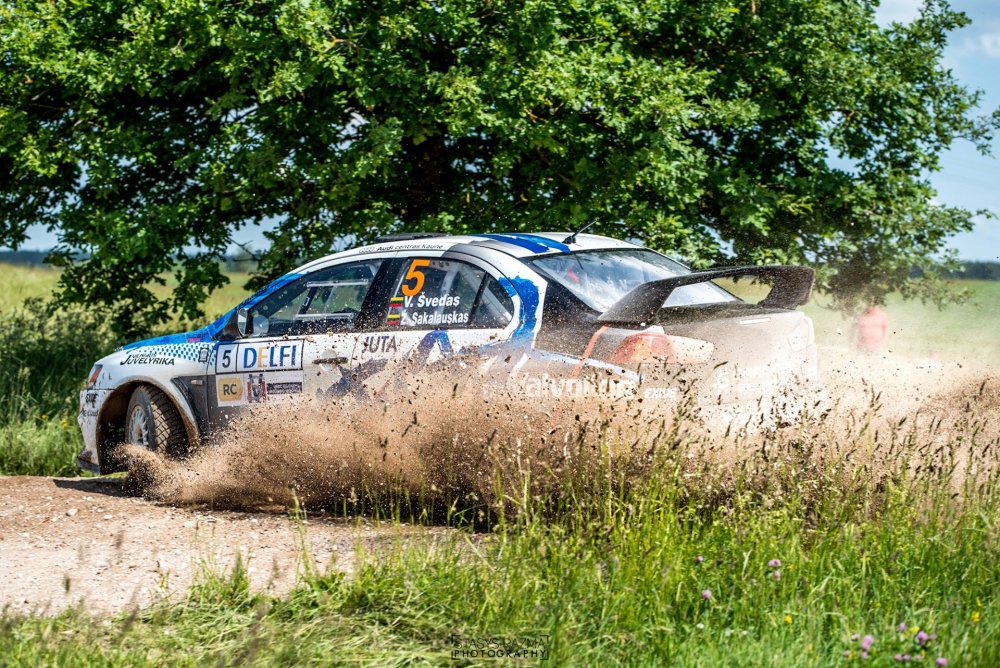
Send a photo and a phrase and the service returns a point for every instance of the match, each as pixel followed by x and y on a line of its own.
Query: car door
pixel 299 340
pixel 438 307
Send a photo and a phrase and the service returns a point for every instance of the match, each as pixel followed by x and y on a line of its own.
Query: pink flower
pixel 941 661
pixel 901 628
pixel 707 594
pixel 776 575
pixel 898 657
pixel 864 655
pixel 867 642
pixel 699 559
pixel 774 563
pixel 854 636
pixel 922 638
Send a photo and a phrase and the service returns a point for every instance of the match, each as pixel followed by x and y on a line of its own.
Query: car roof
pixel 516 244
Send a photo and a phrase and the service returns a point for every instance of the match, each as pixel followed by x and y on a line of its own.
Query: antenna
pixel 571 239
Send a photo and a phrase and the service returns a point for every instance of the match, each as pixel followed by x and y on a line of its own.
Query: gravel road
pixel 67 540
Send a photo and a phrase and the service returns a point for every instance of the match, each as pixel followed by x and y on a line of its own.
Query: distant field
pixel 958 332
pixel 21 282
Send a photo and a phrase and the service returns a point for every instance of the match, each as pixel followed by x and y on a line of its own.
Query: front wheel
pixel 153 422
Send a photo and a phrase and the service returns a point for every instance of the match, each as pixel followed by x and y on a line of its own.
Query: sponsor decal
pixel 546 386
pixel 203 355
pixel 661 393
pixel 148 358
pixel 278 355
pixel 385 343
pixel 257 387
pixel 229 390
pixel 396 246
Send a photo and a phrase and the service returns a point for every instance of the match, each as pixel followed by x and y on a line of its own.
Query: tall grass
pixel 44 359
pixel 45 355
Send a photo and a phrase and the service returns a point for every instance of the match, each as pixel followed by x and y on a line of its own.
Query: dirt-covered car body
pixel 546 311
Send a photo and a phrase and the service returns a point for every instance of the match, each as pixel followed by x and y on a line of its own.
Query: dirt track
pixel 63 540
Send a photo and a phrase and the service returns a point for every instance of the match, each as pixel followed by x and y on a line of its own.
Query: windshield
pixel 601 278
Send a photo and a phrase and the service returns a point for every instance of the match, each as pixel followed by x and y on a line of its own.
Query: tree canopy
pixel 146 133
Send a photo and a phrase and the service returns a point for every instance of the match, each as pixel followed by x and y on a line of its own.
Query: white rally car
pixel 550 306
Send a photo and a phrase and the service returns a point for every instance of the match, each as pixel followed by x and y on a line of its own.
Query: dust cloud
pixel 452 441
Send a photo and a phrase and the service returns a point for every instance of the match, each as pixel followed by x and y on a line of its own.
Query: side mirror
pixel 242 317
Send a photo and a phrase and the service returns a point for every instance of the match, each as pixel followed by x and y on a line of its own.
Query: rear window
pixel 601 278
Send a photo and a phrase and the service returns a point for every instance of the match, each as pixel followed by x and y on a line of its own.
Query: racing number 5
pixel 414 274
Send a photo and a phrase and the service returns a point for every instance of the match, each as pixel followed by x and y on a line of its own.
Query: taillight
pixel 802 336
pixel 94 373
pixel 653 345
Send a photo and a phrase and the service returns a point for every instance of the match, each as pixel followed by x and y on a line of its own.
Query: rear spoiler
pixel 791 287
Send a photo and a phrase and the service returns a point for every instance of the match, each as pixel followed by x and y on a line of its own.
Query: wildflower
pixel 901 628
pixel 864 655
pixel 941 661
pixel 922 638
pixel 854 636
pixel 788 619
pixel 847 653
pixel 699 559
pixel 906 657
pixel 707 594
pixel 975 617
pixel 699 626
pixel 776 575
pixel 774 563
pixel 867 642
pixel 898 657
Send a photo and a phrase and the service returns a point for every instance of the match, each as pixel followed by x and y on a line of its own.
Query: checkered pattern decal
pixel 185 351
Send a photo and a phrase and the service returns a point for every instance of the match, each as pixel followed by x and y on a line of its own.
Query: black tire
pixel 153 422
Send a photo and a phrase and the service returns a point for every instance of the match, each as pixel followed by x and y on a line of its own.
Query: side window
pixel 495 308
pixel 447 294
pixel 322 301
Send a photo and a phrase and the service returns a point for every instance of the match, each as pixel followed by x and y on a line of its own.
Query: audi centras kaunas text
pixel 555 314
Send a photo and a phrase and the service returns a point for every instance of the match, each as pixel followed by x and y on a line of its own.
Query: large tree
pixel 147 132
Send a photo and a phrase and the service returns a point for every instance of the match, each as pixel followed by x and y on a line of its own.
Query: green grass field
pixel 875 524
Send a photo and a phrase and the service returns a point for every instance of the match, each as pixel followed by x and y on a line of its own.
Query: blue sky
pixel 967 178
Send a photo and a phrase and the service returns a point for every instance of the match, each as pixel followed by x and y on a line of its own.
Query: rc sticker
pixel 229 390
pixel 278 355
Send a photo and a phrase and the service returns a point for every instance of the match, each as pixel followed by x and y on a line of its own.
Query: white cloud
pixel 989 44
pixel 902 11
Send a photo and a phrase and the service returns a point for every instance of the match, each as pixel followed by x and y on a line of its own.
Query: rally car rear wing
pixel 791 287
